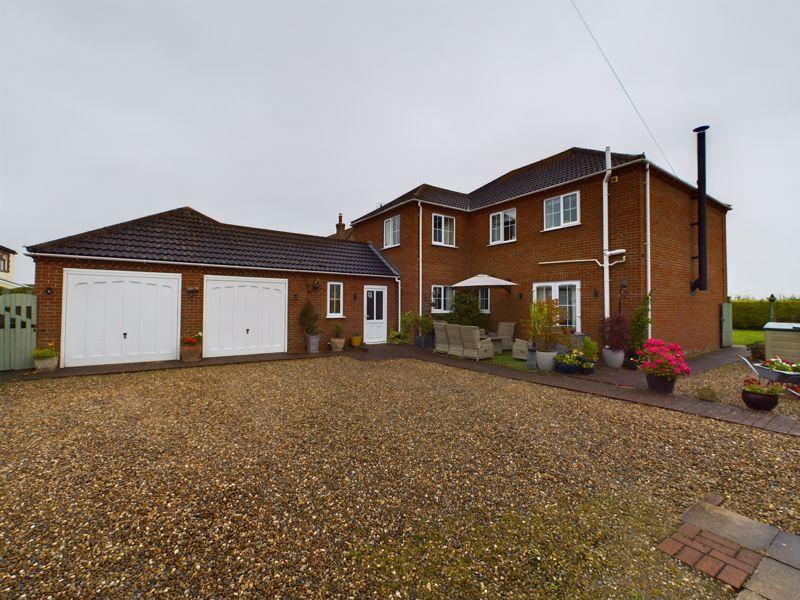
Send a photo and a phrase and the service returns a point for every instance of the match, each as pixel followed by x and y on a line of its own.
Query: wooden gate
pixel 726 317
pixel 17 331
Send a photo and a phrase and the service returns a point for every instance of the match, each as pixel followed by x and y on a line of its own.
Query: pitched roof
pixel 7 249
pixel 183 235
pixel 564 167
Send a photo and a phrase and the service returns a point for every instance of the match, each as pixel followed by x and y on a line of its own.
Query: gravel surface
pixel 334 478
pixel 727 383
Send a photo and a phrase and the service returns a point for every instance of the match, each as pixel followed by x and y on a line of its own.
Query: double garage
pixel 129 316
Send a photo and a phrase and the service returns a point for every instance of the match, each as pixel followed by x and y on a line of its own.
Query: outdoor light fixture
pixel 191 291
pixel 48 291
pixel 296 296
pixel 772 300
pixel 520 296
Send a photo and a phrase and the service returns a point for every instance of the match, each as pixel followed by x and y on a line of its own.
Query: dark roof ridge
pixel 289 233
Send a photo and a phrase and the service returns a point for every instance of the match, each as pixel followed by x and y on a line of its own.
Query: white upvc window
pixel 484 299
pixel 568 294
pixel 391 232
pixel 562 211
pixel 441 299
pixel 503 226
pixel 335 299
pixel 444 230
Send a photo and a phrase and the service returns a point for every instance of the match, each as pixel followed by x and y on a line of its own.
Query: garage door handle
pixel 247 331
pixel 125 335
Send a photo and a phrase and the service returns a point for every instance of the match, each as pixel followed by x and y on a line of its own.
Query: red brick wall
pixel 404 256
pixel 691 319
pixel 49 273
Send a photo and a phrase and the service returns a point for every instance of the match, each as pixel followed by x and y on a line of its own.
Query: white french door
pixel 375 314
pixel 568 294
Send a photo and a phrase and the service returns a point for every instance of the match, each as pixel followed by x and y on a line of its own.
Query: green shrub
pixel 639 322
pixel 338 330
pixel 467 311
pixel 706 393
pixel 424 325
pixel 309 319
pixel 754 314
pixel 44 353
pixel 407 322
pixel 589 349
pixel 396 337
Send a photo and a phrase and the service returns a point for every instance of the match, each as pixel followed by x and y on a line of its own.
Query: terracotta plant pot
pixel 659 384
pixel 613 358
pixel 337 344
pixel 758 401
pixel 191 353
pixel 46 364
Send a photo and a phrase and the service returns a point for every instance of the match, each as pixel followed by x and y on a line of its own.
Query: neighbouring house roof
pixel 561 168
pixel 184 235
pixel 7 249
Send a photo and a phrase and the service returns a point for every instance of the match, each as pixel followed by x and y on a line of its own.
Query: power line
pixel 633 104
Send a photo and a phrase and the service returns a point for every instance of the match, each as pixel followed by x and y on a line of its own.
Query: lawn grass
pixel 506 360
pixel 742 337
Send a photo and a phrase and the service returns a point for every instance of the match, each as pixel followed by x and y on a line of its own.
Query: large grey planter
pixel 613 358
pixel 312 344
pixel 545 361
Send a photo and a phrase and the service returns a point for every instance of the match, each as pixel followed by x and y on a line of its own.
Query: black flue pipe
pixel 701 283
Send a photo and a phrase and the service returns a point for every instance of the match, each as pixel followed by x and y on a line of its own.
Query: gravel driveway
pixel 334 477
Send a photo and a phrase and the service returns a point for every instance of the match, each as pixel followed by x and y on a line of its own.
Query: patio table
pixel 497 341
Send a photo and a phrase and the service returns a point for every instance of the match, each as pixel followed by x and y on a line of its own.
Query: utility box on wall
pixel 782 339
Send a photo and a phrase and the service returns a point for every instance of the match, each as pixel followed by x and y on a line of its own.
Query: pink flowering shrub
pixel 662 359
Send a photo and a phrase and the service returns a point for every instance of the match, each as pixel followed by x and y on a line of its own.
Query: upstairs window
pixel 335 299
pixel 444 230
pixel 391 232
pixel 483 300
pixel 503 226
pixel 562 211
pixel 441 299
pixel 5 262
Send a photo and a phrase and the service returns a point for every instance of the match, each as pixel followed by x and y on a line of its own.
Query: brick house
pixel 130 291
pixel 541 226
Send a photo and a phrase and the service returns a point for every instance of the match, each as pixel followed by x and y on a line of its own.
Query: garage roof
pixel 184 235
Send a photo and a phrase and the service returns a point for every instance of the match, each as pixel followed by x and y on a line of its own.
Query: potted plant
pixel 615 337
pixel 761 395
pixel 757 351
pixel 569 362
pixel 355 339
pixel 637 331
pixel 45 359
pixel 589 351
pixel 309 320
pixel 337 341
pixel 424 339
pixel 662 364
pixel 192 347
pixel 545 332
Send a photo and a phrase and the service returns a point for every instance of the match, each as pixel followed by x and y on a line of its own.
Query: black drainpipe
pixel 701 283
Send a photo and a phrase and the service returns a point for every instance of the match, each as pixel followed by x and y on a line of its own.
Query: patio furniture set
pixel 469 341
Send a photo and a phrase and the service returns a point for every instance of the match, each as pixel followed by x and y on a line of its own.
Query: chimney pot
pixel 340 227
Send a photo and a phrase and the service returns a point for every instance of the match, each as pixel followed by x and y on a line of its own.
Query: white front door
pixel 244 315
pixel 119 317
pixel 374 314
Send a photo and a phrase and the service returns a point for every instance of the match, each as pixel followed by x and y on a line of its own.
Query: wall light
pixel 191 291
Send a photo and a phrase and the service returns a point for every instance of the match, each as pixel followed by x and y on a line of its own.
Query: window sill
pixel 335 317
pixel 392 246
pixel 440 312
pixel 560 227
pixel 443 245
pixel 501 243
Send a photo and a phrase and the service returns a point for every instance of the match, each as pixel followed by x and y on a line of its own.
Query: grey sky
pixel 281 114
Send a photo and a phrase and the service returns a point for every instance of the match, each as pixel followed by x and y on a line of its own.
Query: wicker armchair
pixel 506 332
pixel 440 332
pixel 474 346
pixel 455 347
pixel 520 349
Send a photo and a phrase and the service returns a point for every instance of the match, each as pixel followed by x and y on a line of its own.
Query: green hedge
pixel 754 314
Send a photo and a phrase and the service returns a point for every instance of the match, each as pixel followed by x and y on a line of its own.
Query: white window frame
pixel 553 285
pixel 340 314
pixel 442 289
pixel 433 230
pixel 561 200
pixel 396 242
pixel 488 308
pixel 502 214
pixel 5 262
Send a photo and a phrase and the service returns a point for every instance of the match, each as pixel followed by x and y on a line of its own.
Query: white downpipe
pixel 419 203
pixel 606 262
pixel 399 301
pixel 647 245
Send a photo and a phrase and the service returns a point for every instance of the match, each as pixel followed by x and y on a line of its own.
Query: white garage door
pixel 244 315
pixel 120 317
